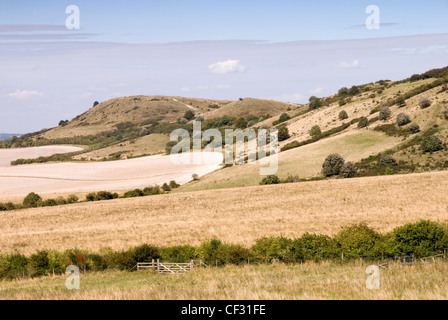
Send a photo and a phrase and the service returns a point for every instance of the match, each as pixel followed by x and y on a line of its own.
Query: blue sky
pixel 285 50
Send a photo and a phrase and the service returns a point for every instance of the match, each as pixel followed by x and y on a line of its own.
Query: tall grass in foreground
pixel 311 280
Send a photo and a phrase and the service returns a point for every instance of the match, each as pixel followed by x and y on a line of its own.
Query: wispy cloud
pixel 293 98
pixel 316 91
pixel 23 94
pixel 224 67
pixel 31 27
pixel 348 65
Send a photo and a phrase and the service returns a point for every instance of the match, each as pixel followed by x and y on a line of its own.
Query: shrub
pixel 403 119
pixel 91 197
pixel 32 200
pixel 384 113
pixel 272 179
pixel 342 102
pixel 315 248
pixel 145 253
pixel 343 115
pixel 424 102
pixel 283 117
pixel 38 263
pixel 49 203
pixel 431 144
pixel 211 252
pixel 8 206
pixel 72 198
pixel 104 195
pixel 95 262
pixel 179 254
pixel 166 187
pixel 315 131
pixel 189 115
pixel 133 193
pixel 387 160
pixel 363 122
pixel 414 128
pixel 283 133
pixel 359 241
pixel 18 265
pixel 60 201
pixel 174 185
pixel 348 170
pixel 195 177
pixel 422 239
pixel 5 267
pixel 269 248
pixel 149 191
pixel 400 102
pixel 389 171
pixel 332 165
pixel 445 114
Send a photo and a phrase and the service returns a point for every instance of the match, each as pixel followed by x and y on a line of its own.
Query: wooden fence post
pixel 158 265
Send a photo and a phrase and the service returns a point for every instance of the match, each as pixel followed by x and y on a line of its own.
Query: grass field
pixel 305 161
pixel 239 216
pixel 326 280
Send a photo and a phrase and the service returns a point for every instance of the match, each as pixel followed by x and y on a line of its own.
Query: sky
pixel 281 50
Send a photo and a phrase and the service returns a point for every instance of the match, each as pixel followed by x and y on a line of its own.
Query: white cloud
pixel 224 67
pixel 202 87
pixel 223 86
pixel 23 94
pixel 316 91
pixel 185 89
pixel 348 65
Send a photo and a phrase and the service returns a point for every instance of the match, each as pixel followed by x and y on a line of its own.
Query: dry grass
pixel 8 155
pixel 325 280
pixel 232 215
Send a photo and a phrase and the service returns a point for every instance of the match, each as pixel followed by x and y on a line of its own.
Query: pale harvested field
pixel 327 280
pixel 8 155
pixel 233 215
pixel 112 175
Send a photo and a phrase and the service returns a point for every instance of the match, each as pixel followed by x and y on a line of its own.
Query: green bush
pixel 95 262
pixel 18 265
pixel 145 253
pixel 431 144
pixel 269 248
pixel 49 203
pixel 359 241
pixel 363 122
pixel 400 102
pixel 422 239
pixel 179 254
pixel 134 193
pixel 332 165
pixel 343 115
pixel 389 171
pixel 271 179
pixel 149 191
pixel 283 133
pixel 313 247
pixel 189 115
pixel 166 187
pixel 32 200
pixel 7 206
pixel 314 103
pixel 445 114
pixel 283 117
pixel 91 197
pixel 38 263
pixel 72 198
pixel 174 185
pixel 60 201
pixel 348 170
pixel 403 119
pixel 315 131
pixel 5 267
pixel 104 195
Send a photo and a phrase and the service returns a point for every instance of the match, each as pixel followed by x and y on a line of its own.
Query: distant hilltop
pixel 7 136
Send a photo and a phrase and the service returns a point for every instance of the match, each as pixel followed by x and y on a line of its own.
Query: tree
pixel 363 122
pixel 189 115
pixel 343 115
pixel 272 179
pixel 284 117
pixel 424 102
pixel 283 133
pixel 95 103
pixel 414 128
pixel 315 103
pixel 343 91
pixel 332 165
pixel 315 131
pixel 63 123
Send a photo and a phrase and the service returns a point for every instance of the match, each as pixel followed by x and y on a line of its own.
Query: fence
pixel 169 267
